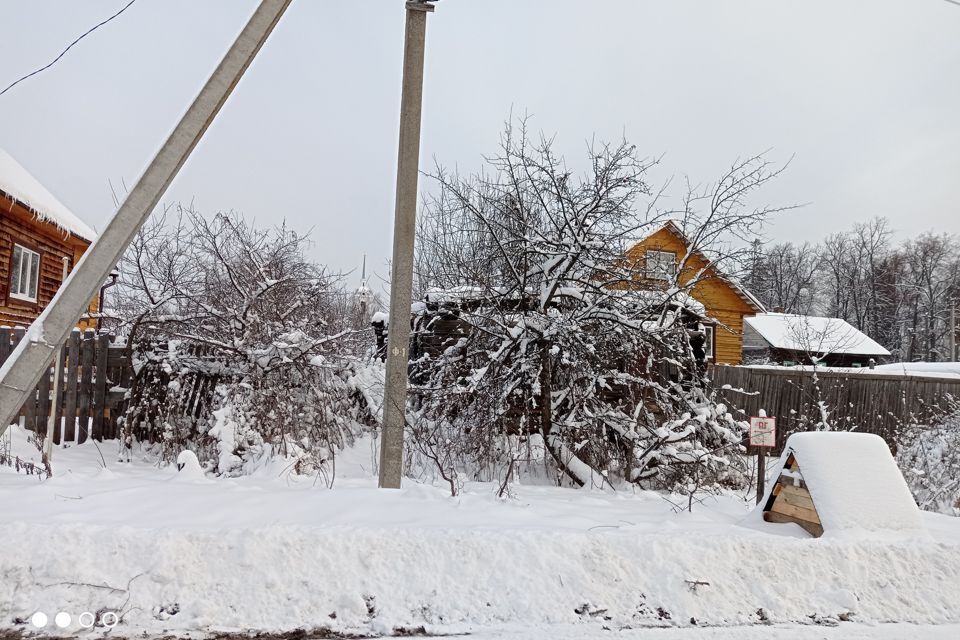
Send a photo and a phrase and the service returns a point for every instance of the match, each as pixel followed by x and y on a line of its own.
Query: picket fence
pixel 96 373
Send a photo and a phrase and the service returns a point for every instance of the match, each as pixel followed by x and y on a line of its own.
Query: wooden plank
pixel 59 400
pixel 86 384
pixel 117 357
pixel 813 528
pixel 43 404
pixel 810 515
pixel 72 373
pixel 791 482
pixel 100 384
pixel 796 497
pixel 4 344
pixel 126 381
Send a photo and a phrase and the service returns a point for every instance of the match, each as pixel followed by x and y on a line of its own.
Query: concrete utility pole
pixel 404 229
pixel 21 372
pixel 52 422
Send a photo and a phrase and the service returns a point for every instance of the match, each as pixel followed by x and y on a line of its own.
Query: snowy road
pixel 757 632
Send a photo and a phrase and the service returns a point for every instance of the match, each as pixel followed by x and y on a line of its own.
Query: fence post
pixel 126 381
pixel 59 396
pixel 4 344
pixel 73 370
pixel 100 385
pixel 43 406
pixel 86 379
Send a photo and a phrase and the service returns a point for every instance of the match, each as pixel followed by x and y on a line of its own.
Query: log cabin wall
pixel 18 225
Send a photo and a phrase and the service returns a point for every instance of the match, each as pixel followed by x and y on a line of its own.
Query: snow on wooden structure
pixel 20 185
pixel 37 232
pixel 787 337
pixel 841 481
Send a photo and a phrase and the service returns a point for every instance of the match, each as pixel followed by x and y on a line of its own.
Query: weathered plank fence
pixel 869 402
pixel 195 376
pixel 91 393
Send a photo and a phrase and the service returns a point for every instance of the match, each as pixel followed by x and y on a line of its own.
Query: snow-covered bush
pixel 929 457
pixel 242 347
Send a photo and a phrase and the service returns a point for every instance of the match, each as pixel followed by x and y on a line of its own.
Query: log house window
pixel 24 274
pixel 661 265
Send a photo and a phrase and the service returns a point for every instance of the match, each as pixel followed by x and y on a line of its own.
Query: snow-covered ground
pixel 274 552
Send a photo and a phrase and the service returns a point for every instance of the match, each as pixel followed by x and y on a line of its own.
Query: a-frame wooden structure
pixel 790 500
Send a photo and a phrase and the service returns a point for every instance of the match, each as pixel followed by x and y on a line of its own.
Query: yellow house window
pixel 661 265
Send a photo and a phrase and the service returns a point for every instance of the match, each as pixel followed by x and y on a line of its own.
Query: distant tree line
pixel 900 293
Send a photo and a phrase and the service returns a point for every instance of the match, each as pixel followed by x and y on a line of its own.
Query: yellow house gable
pixel 722 299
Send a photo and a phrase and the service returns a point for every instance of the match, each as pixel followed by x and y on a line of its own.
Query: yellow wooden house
pixel 726 302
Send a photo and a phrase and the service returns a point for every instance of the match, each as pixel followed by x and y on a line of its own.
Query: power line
pixel 70 46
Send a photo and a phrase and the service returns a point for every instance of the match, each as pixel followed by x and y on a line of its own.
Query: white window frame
pixel 710 332
pixel 28 273
pixel 654 263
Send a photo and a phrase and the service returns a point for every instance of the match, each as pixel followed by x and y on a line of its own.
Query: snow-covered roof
pixel 19 184
pixel 813 334
pixel 854 482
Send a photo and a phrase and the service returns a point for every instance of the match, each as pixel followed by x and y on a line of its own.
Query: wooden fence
pixel 869 402
pixel 95 373
pixel 196 375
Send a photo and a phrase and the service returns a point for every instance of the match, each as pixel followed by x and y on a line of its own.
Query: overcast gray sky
pixel 864 95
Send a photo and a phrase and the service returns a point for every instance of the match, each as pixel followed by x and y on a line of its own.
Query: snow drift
pixel 275 553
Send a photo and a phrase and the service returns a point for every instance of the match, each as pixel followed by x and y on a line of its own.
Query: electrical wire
pixel 70 46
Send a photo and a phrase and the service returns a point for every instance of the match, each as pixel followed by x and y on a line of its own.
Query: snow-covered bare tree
pixel 930 285
pixel 564 347
pixel 238 317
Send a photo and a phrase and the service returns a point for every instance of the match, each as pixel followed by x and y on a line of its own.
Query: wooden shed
pixel 831 481
pixel 37 234
pixel 786 338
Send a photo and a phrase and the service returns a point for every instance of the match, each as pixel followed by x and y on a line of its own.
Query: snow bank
pixel 283 577
pixel 18 183
pixel 855 483
pixel 271 553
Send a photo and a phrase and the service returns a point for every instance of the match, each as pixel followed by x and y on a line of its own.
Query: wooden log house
pixel 659 261
pixel 37 234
